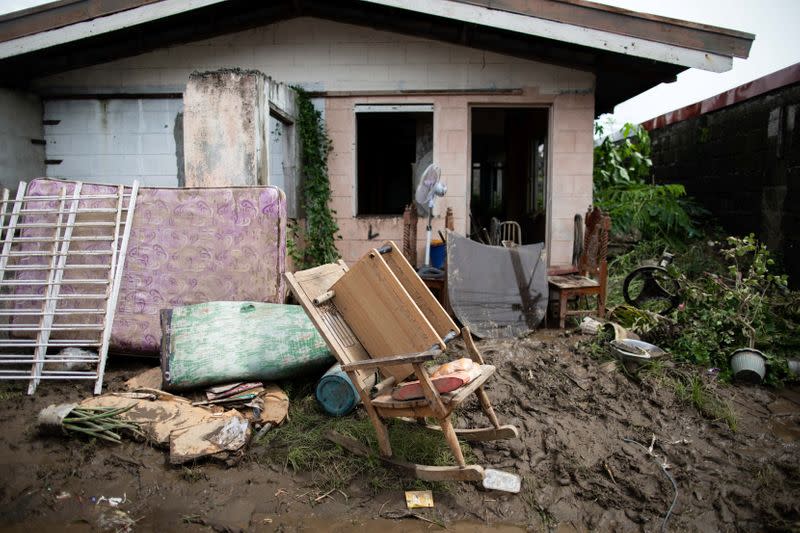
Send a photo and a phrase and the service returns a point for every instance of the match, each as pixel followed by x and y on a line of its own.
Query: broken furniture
pixel 379 316
pixel 60 269
pixel 193 245
pixel 223 342
pixel 592 271
pixel 496 291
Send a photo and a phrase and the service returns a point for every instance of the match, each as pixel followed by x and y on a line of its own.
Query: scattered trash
pixel 418 499
pixel 499 480
pixel 190 431
pixel 222 342
pixel 114 519
pixel 590 326
pixel 232 389
pixel 748 365
pixel 98 422
pixel 72 359
pixel 631 350
pixel 114 501
pixel 63 495
pixel 229 432
pixel 335 393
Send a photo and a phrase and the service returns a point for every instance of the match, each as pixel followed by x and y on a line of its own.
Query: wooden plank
pixel 342 342
pixel 475 434
pixel 393 360
pixel 572 282
pixel 382 314
pixel 418 291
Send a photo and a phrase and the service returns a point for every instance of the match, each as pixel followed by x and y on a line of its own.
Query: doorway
pixel 509 170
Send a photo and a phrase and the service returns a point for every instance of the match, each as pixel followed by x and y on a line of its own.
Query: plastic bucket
pixel 335 392
pixel 438 250
pixel 748 365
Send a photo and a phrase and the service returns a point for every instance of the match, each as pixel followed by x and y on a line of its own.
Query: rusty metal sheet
pixel 497 292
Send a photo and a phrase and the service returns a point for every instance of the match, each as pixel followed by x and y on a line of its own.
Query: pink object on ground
pixel 189 246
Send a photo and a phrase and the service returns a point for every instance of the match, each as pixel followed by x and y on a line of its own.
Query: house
pixel 738 154
pixel 501 94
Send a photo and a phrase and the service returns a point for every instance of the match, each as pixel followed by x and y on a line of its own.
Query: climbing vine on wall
pixel 313 243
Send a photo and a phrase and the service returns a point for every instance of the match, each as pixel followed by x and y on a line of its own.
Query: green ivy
pixel 312 243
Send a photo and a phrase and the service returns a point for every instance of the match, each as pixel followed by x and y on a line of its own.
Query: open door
pixel 509 169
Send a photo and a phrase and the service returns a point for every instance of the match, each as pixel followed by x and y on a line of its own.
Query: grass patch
pixel 692 390
pixel 9 391
pixel 300 444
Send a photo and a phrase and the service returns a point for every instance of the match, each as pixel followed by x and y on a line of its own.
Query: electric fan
pixel 430 186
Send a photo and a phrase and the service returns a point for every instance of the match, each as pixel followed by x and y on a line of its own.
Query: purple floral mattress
pixel 188 246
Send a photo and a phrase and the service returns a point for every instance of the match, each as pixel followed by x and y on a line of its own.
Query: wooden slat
pixel 424 472
pixel 572 282
pixel 404 359
pixel 452 399
pixel 418 291
pixel 382 314
pixel 342 342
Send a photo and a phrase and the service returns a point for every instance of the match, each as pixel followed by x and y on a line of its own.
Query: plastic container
pixel 335 392
pixel 438 251
pixel 748 364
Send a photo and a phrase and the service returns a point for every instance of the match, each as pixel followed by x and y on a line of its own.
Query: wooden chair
pixel 591 278
pixel 379 316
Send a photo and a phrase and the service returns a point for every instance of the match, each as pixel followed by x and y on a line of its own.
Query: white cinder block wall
pixel 114 140
pixel 20 122
pixel 328 56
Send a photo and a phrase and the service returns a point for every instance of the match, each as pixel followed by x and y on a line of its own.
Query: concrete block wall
pixel 570 166
pixel 743 164
pixel 115 140
pixel 20 122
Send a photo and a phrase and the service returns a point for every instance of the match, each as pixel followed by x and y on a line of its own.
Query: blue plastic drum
pixel 335 392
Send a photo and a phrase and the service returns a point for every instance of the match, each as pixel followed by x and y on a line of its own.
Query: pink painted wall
pixel 570 162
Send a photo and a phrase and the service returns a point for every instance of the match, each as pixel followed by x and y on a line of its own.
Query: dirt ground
pixel 579 473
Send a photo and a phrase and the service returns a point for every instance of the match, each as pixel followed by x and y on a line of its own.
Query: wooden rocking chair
pixel 380 316
pixel 590 278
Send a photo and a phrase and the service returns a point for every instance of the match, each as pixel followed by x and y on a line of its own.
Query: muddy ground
pixel 574 413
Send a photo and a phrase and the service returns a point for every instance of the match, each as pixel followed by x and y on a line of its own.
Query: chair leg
pixel 562 309
pixel 601 305
pixel 487 406
pixel 381 432
pixel 452 440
